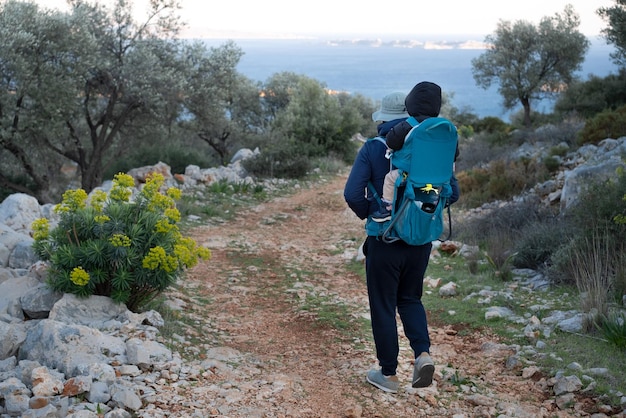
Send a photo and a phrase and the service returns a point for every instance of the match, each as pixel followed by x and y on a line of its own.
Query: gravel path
pixel 263 353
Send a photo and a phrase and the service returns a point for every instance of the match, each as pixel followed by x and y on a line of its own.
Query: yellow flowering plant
pixel 115 244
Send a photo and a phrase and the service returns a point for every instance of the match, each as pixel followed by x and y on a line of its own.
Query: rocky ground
pixel 253 319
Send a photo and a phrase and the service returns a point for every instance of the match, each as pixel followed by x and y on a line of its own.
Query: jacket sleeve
pixel 456 191
pixel 395 137
pixel 355 189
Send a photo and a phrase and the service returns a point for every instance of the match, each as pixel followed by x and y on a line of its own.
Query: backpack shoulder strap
pixel 379 139
pixel 412 121
pixel 370 186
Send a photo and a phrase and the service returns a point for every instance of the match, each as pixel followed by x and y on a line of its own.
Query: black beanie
pixel 424 100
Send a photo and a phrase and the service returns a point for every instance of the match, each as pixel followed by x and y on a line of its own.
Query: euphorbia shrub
pixel 111 245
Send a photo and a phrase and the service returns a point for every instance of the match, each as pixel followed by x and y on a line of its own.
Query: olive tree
pixel 222 107
pixel 532 62
pixel 278 91
pixel 615 33
pixel 315 120
pixel 72 82
pixel 36 93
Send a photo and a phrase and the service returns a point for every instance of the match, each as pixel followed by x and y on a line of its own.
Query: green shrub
pixel 537 241
pixel 607 124
pixel 552 164
pixel 500 180
pixel 491 125
pixel 176 157
pixel 537 119
pixel 559 151
pixel 330 165
pixel 286 161
pixel 498 249
pixel 590 97
pixel 111 246
pixel 559 270
pixel 466 131
pixel 510 219
pixel 479 151
pixel 517 234
pixel 613 329
pixel 561 134
pixel 598 207
pixel 600 204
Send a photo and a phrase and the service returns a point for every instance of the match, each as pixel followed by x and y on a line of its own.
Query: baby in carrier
pixel 423 102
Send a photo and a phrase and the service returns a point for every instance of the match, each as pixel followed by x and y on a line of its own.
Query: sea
pixel 375 67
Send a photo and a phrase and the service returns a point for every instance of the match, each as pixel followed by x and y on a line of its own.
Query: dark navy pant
pixel 395 280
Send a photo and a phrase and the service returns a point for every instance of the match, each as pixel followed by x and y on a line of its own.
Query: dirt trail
pixel 278 360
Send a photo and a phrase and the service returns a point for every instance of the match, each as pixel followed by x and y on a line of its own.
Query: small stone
pixel 354 411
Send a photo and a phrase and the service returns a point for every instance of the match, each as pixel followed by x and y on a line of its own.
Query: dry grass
pixel 592 268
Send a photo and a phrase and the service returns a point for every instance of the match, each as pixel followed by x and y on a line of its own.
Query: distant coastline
pixel 433 42
pixel 374 66
pixel 379 43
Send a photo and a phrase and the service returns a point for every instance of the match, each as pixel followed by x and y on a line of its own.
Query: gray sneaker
pixel 386 383
pixel 423 371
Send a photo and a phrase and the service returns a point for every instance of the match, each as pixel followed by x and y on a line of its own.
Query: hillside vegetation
pixel 80 101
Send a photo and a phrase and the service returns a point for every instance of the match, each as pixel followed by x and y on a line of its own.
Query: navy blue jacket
pixel 371 165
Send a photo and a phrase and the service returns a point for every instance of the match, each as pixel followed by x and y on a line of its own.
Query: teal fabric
pixel 422 190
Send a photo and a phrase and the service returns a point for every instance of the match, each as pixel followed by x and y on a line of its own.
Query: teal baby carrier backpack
pixel 422 189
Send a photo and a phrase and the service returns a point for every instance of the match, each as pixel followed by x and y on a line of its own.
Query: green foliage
pixel 508 237
pixel 590 97
pixel 593 217
pixel 457 379
pixel 329 165
pixel 77 80
pixel 225 199
pixel 536 242
pixel 128 250
pixel 222 107
pixel 79 87
pixel 18 182
pixel 598 205
pixel 466 131
pixel 287 160
pixel 35 93
pixel 356 117
pixel 461 117
pixel 607 124
pixel 536 120
pixel 613 329
pixel 277 91
pixel 584 349
pixel 320 123
pixel 531 62
pixel 310 117
pixel 615 33
pixel 479 150
pixel 559 150
pixel 177 157
pixel 552 164
pixel 491 125
pixel 498 253
pixel 500 180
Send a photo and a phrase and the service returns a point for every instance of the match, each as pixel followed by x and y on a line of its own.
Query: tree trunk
pixel 91 172
pixel 526 104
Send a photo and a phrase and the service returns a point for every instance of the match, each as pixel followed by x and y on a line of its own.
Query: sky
pixel 293 18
